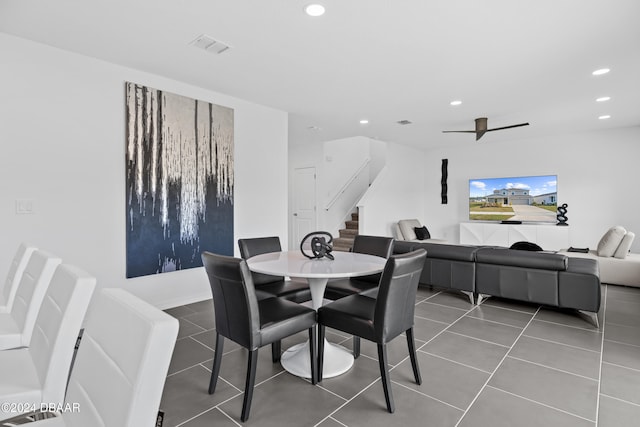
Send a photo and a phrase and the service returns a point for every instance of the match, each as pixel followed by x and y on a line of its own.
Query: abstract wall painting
pixel 180 180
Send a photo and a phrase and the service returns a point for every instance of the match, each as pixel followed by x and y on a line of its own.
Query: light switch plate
pixel 24 206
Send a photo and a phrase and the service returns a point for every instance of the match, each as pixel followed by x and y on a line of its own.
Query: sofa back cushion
pixel 610 241
pixel 523 259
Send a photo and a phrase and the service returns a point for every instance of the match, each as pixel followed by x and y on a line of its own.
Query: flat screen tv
pixel 532 199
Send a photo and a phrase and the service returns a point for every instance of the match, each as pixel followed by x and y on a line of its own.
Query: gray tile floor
pixel 498 364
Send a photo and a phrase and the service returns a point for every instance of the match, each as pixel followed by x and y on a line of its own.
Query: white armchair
pixel 39 373
pixel 121 366
pixel 17 325
pixel 14 276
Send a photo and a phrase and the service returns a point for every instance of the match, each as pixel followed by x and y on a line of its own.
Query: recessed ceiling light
pixel 605 117
pixel 603 99
pixel 364 121
pixel 601 71
pixel 314 10
pixel 454 103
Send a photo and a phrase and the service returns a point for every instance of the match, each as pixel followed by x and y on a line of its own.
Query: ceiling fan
pixel 481 128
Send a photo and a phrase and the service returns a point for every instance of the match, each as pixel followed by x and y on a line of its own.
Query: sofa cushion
pixel 625 245
pixel 407 227
pixel 422 233
pixel 610 241
pixel 523 259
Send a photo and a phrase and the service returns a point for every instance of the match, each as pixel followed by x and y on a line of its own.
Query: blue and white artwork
pixel 179 166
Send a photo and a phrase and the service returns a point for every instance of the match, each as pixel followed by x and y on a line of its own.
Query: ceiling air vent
pixel 404 122
pixel 209 44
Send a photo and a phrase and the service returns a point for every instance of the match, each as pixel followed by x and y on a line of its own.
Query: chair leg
pixel 384 375
pixel 356 347
pixel 313 354
pixel 217 360
pixel 248 387
pixel 320 351
pixel 276 351
pixel 412 354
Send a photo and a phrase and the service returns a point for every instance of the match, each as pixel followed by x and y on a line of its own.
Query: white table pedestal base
pixel 337 360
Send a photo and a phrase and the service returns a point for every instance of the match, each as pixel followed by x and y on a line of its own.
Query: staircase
pixel 344 243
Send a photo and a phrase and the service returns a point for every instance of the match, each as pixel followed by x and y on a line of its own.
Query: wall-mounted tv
pixel 522 198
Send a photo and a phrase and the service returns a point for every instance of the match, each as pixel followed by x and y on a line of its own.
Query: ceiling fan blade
pixel 459 131
pixel 508 127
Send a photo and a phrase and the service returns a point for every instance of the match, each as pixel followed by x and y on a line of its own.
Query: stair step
pixel 342 244
pixel 354 216
pixel 348 233
pixel 352 225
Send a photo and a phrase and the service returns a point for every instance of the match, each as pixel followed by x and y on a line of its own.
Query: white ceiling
pixel 511 61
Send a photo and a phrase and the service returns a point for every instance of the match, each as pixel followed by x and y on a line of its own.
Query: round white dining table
pixel 317 272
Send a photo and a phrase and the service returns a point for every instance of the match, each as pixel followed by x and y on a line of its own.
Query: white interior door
pixel 304 204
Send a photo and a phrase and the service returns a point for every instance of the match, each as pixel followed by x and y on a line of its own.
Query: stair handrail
pixel 347 184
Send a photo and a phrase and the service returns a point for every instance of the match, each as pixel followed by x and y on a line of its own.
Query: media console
pixel 548 236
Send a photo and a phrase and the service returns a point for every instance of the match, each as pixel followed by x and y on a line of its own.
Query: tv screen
pixel 522 198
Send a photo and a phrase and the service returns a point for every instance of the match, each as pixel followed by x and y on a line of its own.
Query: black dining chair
pixel 250 322
pixel 382 318
pixel 340 288
pixel 362 244
pixel 269 285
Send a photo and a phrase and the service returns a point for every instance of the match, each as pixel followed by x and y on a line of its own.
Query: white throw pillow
pixel 407 227
pixel 610 241
pixel 625 245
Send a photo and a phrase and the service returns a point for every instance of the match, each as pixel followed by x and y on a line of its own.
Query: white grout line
pixel 541 404
pixel 621 400
pixel 478 339
pixel 623 343
pixel 496 322
pixel 457 363
pixel 552 368
pixel 495 370
pixel 432 320
pixel 604 315
pixel 560 343
pixel 342 424
pixel 448 306
pixel 507 308
pixel 194 324
pixel 426 395
pixel 569 326
pixel 621 366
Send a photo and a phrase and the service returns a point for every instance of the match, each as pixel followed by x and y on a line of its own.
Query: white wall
pixel 398 193
pixel 62 133
pixel 598 177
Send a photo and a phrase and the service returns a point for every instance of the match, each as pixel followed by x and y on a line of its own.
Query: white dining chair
pixel 120 368
pixel 39 373
pixel 14 275
pixel 16 327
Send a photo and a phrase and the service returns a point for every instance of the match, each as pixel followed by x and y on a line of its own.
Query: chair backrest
pixel 372 245
pixel 33 285
pixel 234 299
pixel 395 304
pixel 57 327
pixel 20 260
pixel 122 363
pixel 258 246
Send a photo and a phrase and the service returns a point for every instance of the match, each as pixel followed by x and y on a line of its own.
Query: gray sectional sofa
pixel 545 278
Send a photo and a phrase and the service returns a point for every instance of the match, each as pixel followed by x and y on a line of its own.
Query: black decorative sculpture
pixel 319 245
pixel 562 215
pixel 443 181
